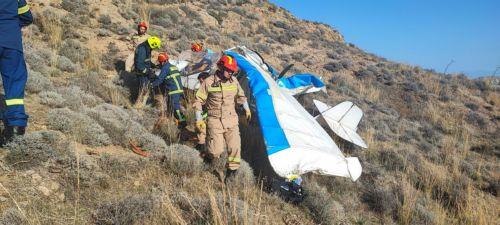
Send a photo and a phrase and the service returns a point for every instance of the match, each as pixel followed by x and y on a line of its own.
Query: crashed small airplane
pixel 292 141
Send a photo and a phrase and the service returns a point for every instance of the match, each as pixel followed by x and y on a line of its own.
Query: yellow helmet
pixel 154 42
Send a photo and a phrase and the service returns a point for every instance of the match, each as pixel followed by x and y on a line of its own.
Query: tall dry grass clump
pixel 51 26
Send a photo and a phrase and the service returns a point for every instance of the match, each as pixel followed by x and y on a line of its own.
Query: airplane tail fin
pixel 343 119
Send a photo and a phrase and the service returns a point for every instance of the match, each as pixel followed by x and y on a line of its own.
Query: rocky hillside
pixel 434 139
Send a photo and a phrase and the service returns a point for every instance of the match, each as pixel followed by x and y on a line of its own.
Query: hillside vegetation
pixel 434 140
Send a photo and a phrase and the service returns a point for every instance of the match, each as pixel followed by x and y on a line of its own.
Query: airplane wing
pixel 295 142
pixel 343 119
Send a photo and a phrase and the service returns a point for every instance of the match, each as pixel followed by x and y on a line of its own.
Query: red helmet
pixel 196 47
pixel 162 57
pixel 228 62
pixel 142 24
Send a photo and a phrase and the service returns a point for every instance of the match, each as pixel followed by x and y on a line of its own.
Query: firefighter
pixel 169 83
pixel 14 14
pixel 218 93
pixel 144 67
pixel 202 57
pixel 138 38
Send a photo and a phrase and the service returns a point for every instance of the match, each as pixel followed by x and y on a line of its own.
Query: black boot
pixel 200 148
pixel 182 125
pixel 12 131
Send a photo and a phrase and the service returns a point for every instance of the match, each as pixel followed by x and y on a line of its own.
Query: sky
pixel 426 33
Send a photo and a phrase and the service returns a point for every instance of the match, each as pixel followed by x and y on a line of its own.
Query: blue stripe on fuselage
pixel 274 136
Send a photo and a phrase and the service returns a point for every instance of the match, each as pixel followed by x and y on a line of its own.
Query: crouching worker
pixel 218 93
pixel 169 84
pixel 144 68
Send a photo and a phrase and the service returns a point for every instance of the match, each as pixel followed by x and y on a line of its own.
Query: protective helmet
pixel 162 57
pixel 154 42
pixel 196 47
pixel 142 24
pixel 228 62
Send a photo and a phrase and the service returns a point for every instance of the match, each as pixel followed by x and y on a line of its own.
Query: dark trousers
pixel 14 77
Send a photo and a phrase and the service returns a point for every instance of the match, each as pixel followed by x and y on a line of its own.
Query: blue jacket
pixel 171 78
pixel 142 58
pixel 14 14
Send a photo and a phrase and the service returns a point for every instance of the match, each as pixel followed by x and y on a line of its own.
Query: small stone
pixel 45 191
pixel 36 178
pixel 53 186
pixel 137 183
pixel 3 199
pixel 61 197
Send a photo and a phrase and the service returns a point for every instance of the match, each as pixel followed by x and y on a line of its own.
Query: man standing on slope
pixel 219 93
pixel 144 66
pixel 14 14
pixel 138 38
pixel 169 83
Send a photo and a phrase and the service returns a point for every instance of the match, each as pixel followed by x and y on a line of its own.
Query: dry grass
pixel 50 25
pixel 92 62
pixel 410 195
pixel 142 98
pixel 369 91
pixel 433 85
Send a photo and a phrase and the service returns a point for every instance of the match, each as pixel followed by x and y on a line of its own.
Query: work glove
pixel 201 125
pixel 248 115
pixel 151 75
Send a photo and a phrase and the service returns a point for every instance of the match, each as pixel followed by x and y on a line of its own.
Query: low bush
pixel 333 67
pixel 74 50
pixel 38 58
pixel 476 119
pixel 80 126
pixel 65 64
pixel 123 129
pixel 37 148
pixel 78 7
pixel 12 216
pixel 75 98
pixel 381 199
pixel 37 82
pixel 127 210
pixel 322 206
pixel 51 98
pixel 180 159
pixel 167 17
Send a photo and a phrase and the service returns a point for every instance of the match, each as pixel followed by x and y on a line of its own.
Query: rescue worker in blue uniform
pixel 14 14
pixel 143 66
pixel 169 83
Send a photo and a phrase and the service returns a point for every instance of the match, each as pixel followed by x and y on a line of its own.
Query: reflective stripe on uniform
pixel 177 83
pixel 200 95
pixel 223 88
pixel 10 102
pixel 180 116
pixel 175 75
pixel 175 92
pixel 233 159
pixel 23 10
